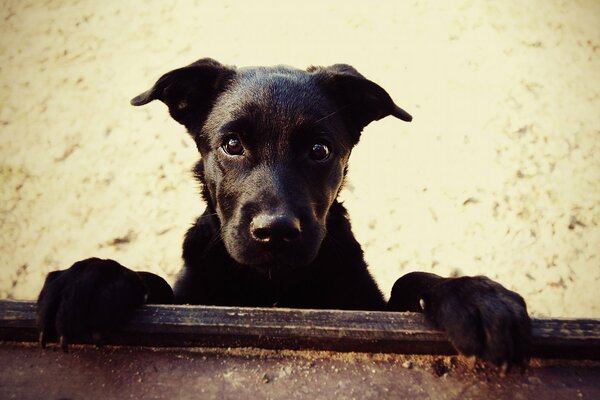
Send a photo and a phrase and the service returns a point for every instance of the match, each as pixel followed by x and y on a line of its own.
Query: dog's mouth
pixel 279 272
pixel 280 256
pixel 272 257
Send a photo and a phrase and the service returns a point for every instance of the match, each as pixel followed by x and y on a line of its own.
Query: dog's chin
pixel 263 259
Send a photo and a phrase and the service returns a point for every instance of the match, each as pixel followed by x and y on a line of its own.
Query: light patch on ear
pixel 422 304
pixel 182 105
pixel 143 98
pixel 401 114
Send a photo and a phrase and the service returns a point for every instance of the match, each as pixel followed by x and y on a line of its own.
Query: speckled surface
pixel 498 174
pixel 151 373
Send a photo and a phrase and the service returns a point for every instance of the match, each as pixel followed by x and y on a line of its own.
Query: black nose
pixel 273 228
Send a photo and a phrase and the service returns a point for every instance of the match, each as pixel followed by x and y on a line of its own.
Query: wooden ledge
pixel 276 328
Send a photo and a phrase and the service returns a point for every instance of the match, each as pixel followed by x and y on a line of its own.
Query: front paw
pixel 92 297
pixel 482 318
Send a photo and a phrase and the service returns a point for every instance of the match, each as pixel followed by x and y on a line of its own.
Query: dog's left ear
pixel 189 92
pixel 359 100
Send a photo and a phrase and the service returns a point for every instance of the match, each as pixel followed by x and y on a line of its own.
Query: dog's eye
pixel 233 146
pixel 320 151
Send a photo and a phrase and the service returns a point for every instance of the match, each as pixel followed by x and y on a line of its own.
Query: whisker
pixel 216 238
pixel 331 114
pixel 207 215
pixel 327 116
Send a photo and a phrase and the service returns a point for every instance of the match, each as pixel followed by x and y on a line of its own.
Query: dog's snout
pixel 273 228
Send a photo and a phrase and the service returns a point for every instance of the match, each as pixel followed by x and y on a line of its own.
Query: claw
pixel 471 362
pixel 42 339
pixel 97 339
pixel 504 369
pixel 63 344
pixel 523 367
pixel 523 364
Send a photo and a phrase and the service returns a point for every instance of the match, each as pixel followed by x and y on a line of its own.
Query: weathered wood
pixel 367 331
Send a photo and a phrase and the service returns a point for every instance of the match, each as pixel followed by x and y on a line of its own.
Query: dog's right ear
pixel 189 92
pixel 359 100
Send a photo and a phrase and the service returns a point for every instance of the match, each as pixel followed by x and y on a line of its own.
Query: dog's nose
pixel 272 228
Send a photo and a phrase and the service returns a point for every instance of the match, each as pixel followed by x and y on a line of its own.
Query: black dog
pixel 274 145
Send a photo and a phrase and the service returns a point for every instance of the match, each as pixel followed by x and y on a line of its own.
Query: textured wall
pixel 499 173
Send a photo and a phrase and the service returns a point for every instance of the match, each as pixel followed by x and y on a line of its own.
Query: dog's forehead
pixel 273 104
pixel 277 76
pixel 280 89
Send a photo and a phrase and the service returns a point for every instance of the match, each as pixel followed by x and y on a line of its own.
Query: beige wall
pixel 502 157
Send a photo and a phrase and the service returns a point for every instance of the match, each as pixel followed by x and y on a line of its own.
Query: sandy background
pixel 498 174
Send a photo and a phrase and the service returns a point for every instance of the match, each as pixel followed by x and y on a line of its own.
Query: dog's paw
pixel 92 297
pixel 482 318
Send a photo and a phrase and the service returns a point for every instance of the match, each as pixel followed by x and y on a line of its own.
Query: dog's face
pixel 275 143
pixel 274 156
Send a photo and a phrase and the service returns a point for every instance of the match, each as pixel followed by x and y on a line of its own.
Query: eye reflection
pixel 233 146
pixel 320 151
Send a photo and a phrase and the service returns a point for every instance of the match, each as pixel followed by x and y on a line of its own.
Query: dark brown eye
pixel 320 151
pixel 233 146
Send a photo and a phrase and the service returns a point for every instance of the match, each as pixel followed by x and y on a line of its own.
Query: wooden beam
pixel 273 328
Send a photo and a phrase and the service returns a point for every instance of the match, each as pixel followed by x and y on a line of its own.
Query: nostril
pixel 262 234
pixel 291 233
pixel 275 228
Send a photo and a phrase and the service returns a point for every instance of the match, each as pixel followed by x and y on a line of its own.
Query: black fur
pixel 274 145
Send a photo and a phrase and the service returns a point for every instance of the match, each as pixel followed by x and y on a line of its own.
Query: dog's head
pixel 274 145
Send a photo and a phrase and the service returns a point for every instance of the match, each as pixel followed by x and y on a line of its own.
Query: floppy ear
pixel 359 100
pixel 189 92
